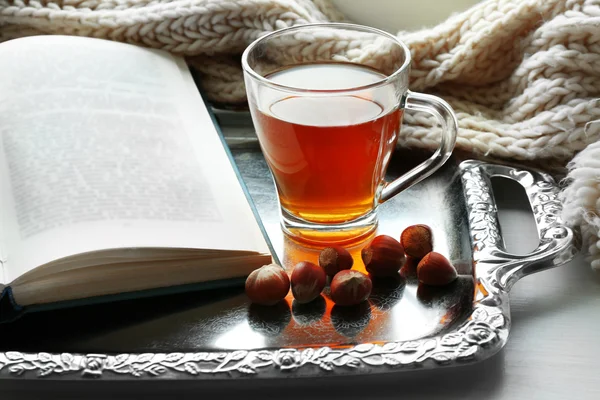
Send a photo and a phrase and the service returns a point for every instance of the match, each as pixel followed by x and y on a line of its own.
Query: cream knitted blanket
pixel 522 75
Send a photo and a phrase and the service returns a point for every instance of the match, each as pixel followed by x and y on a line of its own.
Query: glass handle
pixel 444 113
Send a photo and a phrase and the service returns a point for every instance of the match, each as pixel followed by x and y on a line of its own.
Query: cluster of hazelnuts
pixel 383 257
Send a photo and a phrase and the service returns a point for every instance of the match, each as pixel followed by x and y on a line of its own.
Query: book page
pixel 107 145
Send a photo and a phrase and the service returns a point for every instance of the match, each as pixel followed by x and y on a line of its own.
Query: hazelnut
pixel 384 256
pixel 435 270
pixel 417 241
pixel 335 259
pixel 349 287
pixel 308 281
pixel 267 285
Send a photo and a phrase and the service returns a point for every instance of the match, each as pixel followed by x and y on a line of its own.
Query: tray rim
pixel 481 335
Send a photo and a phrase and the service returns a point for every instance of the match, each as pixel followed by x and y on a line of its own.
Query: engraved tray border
pixel 483 333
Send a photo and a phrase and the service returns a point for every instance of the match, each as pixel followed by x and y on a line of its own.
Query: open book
pixel 113 177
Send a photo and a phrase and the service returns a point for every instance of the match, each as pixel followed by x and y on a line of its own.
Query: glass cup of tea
pixel 327 102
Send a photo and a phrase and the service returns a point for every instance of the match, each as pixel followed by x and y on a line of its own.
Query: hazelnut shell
pixel 350 287
pixel 417 241
pixel 384 256
pixel 335 259
pixel 267 285
pixel 435 270
pixel 308 281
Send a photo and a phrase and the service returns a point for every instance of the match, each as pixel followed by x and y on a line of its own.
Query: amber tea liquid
pixel 328 154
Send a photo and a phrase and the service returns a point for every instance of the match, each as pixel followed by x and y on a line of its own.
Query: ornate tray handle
pixel 498 267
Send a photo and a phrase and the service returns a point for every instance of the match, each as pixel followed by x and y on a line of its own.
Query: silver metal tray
pixel 218 335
